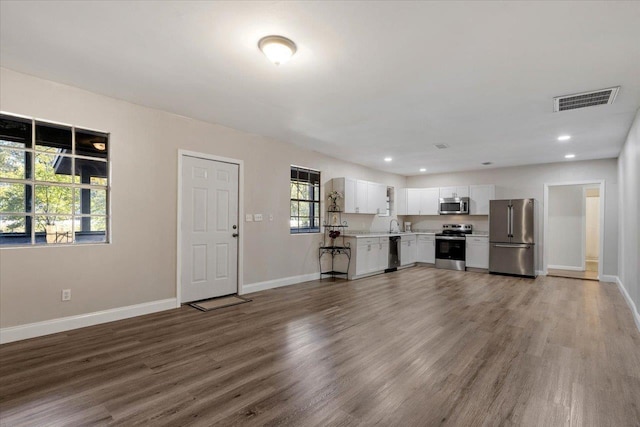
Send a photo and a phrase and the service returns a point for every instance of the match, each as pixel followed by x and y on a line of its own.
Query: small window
pixel 54 183
pixel 305 200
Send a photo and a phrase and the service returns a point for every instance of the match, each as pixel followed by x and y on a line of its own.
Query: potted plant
pixel 333 197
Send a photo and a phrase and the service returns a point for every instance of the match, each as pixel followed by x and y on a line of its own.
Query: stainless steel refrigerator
pixel 512 247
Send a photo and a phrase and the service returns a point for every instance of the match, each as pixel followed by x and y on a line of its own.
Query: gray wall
pixel 528 182
pixel 140 265
pixel 566 210
pixel 629 245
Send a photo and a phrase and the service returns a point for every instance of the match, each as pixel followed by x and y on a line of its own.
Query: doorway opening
pixel 574 230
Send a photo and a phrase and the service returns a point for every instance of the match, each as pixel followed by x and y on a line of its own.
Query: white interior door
pixel 209 229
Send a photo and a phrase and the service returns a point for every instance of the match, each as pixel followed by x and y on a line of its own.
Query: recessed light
pixel 387 159
pixel 277 48
pixel 423 169
pixel 564 137
pixel 569 156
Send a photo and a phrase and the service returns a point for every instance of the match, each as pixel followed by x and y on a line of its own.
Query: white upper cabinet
pixel 361 196
pixel 429 201
pixel 376 198
pixel 422 201
pixel 346 186
pixel 413 201
pixel 453 192
pixel 479 197
pixel 425 201
pixel 401 201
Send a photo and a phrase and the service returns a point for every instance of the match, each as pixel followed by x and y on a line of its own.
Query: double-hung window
pixel 305 200
pixel 54 183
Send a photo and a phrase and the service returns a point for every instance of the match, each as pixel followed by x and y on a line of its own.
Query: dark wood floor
pixel 417 347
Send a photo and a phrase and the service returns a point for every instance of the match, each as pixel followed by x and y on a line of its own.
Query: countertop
pixel 359 235
pixel 365 234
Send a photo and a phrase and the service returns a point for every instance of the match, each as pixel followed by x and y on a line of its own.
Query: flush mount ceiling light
pixel 387 159
pixel 100 146
pixel 423 169
pixel 277 48
pixel 569 156
pixel 564 137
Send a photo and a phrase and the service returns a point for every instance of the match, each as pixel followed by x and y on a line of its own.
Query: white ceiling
pixel 369 80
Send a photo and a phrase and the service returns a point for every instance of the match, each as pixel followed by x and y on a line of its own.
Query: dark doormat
pixel 220 302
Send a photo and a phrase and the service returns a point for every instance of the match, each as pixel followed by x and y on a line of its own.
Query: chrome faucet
pixel 391 225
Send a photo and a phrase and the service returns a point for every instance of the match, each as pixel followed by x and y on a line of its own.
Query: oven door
pixel 450 252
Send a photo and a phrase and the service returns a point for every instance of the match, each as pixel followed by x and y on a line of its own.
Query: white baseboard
pixel 32 330
pixel 565 267
pixel 608 278
pixel 632 305
pixel 541 273
pixel 277 283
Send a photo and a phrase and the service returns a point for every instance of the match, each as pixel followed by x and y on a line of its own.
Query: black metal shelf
pixel 335 246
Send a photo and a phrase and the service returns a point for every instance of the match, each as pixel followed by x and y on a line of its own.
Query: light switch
pixel 270 217
pixel 257 217
pixel 248 217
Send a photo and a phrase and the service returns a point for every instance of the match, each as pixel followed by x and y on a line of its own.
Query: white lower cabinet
pixel 426 249
pixel 408 250
pixel 371 255
pixel 383 255
pixel 477 252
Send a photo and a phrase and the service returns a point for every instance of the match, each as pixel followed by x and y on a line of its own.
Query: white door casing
pixel 209 212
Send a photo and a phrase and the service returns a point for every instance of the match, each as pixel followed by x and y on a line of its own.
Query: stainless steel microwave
pixel 454 206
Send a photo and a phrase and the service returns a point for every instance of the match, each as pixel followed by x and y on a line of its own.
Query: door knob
pixel 235 234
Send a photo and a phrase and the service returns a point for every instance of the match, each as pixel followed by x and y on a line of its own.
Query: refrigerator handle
pixel 511 221
pixel 508 221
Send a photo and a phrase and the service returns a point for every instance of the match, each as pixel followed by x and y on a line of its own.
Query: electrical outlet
pixel 257 217
pixel 66 295
pixel 248 217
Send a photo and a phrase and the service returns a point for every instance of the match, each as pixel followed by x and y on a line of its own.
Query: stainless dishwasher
pixel 394 253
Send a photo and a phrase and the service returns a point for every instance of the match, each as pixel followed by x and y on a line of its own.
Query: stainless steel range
pixel 450 246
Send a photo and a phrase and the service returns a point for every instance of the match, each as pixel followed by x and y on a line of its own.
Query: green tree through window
pixel 67 191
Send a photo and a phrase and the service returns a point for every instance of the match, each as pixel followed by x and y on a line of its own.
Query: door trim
pixel 206 156
pixel 595 182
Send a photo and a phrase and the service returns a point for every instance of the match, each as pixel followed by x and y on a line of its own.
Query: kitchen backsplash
pixel 479 223
pixel 367 223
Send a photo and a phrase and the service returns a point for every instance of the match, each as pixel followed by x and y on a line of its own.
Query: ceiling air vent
pixel 441 146
pixel 585 99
